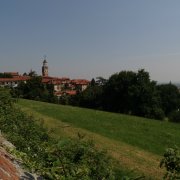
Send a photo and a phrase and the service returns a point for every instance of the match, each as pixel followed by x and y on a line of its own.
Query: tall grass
pixel 151 135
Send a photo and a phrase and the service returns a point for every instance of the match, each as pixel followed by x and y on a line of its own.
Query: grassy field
pixel 137 143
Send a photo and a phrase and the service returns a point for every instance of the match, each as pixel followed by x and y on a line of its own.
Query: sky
pixel 91 38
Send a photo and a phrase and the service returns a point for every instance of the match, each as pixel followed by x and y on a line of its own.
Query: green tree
pixel 5 75
pixel 146 99
pixel 93 82
pixel 91 97
pixel 118 93
pixel 6 100
pixel 174 116
pixel 32 73
pixel 132 93
pixel 100 81
pixel 170 97
pixel 35 89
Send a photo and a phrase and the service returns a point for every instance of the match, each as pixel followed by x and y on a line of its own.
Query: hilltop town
pixel 61 86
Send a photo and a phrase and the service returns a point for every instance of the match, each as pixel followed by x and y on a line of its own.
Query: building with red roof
pixel 13 74
pixel 13 82
pixel 62 86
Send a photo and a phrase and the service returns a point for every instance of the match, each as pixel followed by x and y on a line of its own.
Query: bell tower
pixel 45 68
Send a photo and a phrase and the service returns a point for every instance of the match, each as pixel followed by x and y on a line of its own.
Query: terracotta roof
pixel 12 73
pixel 55 80
pixel 58 93
pixel 7 168
pixel 51 81
pixel 10 165
pixel 70 92
pixel 77 81
pixel 20 78
pixel 45 80
pixel 80 81
pixel 64 78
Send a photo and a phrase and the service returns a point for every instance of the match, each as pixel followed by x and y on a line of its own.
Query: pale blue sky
pixel 90 38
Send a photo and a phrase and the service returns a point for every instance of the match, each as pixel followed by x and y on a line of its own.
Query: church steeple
pixel 45 68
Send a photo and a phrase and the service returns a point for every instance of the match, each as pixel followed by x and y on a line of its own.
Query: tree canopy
pixel 130 93
pixel 35 89
pixel 170 97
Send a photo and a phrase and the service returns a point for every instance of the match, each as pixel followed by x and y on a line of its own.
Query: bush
pixel 5 99
pixel 175 116
pixel 66 159
pixel 77 159
pixel 171 162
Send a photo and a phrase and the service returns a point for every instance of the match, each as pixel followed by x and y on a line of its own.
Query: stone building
pixel 63 85
pixel 45 69
pixel 14 80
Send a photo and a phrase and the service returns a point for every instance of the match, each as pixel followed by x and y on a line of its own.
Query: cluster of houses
pixel 62 86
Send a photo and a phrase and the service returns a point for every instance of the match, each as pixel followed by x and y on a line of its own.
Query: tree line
pixel 132 93
pixel 34 89
pixel 126 92
pixel 5 75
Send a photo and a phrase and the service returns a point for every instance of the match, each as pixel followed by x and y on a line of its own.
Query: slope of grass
pixel 129 160
pixel 150 135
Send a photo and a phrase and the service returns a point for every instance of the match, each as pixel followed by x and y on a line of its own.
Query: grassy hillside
pixel 154 136
pixel 136 142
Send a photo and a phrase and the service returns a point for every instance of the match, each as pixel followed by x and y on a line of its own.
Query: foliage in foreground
pixel 77 160
pixel 171 162
pixel 64 159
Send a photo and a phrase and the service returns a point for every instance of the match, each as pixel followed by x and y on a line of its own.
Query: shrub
pixel 171 162
pixel 66 159
pixel 175 116
pixel 77 159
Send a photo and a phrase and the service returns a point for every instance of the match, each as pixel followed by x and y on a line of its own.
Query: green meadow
pixel 136 143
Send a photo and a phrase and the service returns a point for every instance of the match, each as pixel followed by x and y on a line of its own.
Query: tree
pixel 32 73
pixel 124 92
pixel 101 81
pixel 174 116
pixel 25 74
pixel 5 75
pixel 147 102
pixel 91 97
pixel 5 98
pixel 117 96
pixel 170 97
pixel 93 83
pixel 132 93
pixel 35 89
